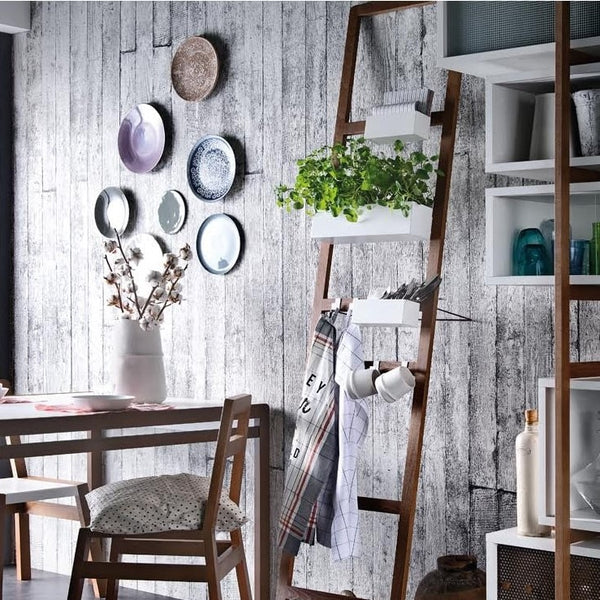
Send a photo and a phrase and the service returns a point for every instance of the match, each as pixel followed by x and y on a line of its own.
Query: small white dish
pixel 102 401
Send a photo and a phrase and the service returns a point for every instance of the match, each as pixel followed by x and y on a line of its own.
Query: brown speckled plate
pixel 195 69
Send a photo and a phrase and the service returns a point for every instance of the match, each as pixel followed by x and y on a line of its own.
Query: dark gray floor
pixel 50 586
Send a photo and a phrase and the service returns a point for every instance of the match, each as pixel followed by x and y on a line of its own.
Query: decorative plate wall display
pixel 141 138
pixel 111 212
pixel 195 69
pixel 211 168
pixel 219 244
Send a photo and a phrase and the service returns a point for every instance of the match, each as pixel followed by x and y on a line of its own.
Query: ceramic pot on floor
pixel 456 578
pixel 138 366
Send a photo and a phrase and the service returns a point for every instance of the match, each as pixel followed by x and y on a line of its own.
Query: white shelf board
pixel 540 170
pixel 544 280
pixel 509 537
pixel 377 312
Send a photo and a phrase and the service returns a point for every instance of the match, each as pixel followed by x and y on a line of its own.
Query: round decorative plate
pixel 141 138
pixel 195 69
pixel 111 212
pixel 219 244
pixel 211 168
pixel 171 212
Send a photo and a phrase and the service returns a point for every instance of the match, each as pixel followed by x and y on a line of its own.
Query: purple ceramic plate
pixel 141 138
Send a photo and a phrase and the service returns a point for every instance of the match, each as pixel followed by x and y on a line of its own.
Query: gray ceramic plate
pixel 219 244
pixel 171 212
pixel 211 168
pixel 111 212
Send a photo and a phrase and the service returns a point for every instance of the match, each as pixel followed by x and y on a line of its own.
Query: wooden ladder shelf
pixel 447 119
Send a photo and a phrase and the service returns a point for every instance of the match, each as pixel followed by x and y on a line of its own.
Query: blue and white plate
pixel 211 168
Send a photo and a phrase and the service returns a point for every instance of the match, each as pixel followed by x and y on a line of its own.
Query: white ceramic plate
pixel 102 401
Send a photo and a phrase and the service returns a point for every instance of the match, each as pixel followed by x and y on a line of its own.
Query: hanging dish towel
pixel 353 425
pixel 315 446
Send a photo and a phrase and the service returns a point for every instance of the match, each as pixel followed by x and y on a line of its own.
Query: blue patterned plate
pixel 211 168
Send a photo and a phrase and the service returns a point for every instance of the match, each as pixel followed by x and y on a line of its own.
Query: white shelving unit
pixel 509 110
pixel 510 209
pixel 585 447
pixel 375 312
pixel 508 537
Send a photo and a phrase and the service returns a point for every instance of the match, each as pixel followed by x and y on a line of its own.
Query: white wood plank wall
pixel 82 66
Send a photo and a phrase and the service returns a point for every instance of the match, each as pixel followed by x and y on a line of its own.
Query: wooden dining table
pixel 186 421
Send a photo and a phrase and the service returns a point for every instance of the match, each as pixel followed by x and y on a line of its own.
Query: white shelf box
pixel 459 48
pixel 584 448
pixel 375 312
pixel 380 224
pixel 509 112
pixel 508 210
pixel 505 548
pixel 409 126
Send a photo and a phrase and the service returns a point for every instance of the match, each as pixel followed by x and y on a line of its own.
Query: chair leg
pixel 241 569
pixel 22 547
pixel 212 578
pixel 112 585
pixel 3 516
pixel 81 552
pixel 96 554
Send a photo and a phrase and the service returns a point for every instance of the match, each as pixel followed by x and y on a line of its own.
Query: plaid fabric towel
pixel 315 446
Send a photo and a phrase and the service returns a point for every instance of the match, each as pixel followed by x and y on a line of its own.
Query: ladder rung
pixel 579 57
pixel 437 118
pixel 354 128
pixel 585 369
pixel 297 593
pixel 381 505
pixel 580 175
pixel 585 292
pixel 370 9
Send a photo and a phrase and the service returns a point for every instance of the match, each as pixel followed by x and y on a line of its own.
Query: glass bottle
pixel 526 446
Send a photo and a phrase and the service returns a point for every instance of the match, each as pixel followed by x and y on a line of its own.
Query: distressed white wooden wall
pixel 79 70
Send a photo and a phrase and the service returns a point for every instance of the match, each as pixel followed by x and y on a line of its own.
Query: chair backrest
pixel 230 443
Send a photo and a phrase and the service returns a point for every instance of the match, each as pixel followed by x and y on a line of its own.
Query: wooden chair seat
pixel 220 556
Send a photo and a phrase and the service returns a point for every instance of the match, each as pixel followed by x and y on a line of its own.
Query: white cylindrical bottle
pixel 526 446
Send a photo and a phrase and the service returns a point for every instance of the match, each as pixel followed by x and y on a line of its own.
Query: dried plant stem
pixel 152 292
pixel 115 284
pixel 137 304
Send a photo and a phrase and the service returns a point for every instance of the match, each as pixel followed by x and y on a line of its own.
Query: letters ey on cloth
pixel 315 445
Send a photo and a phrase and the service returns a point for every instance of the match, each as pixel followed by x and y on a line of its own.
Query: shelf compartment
pixel 377 312
pixel 462 48
pixel 508 210
pixel 408 126
pixel 584 448
pixel 509 115
pixel 380 224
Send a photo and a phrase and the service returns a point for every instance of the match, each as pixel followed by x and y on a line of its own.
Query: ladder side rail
pixel 412 467
pixel 562 570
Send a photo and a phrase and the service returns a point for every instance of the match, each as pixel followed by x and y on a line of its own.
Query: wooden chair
pixel 22 495
pixel 220 556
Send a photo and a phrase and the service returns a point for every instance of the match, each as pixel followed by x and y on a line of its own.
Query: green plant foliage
pixel 345 179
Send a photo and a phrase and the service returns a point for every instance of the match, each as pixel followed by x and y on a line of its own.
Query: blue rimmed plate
pixel 211 168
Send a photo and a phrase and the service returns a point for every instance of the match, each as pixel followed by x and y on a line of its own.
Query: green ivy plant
pixel 345 179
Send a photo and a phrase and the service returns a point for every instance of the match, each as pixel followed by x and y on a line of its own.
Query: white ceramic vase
pixel 542 133
pixel 138 366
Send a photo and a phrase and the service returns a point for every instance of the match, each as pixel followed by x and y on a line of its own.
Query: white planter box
pixel 410 126
pixel 584 447
pixel 385 313
pixel 380 224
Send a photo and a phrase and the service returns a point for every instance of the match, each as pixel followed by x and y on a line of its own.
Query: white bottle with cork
pixel 526 446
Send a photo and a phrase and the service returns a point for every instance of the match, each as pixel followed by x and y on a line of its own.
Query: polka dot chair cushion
pixel 155 504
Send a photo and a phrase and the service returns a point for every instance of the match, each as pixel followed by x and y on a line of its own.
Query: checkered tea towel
pixel 314 447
